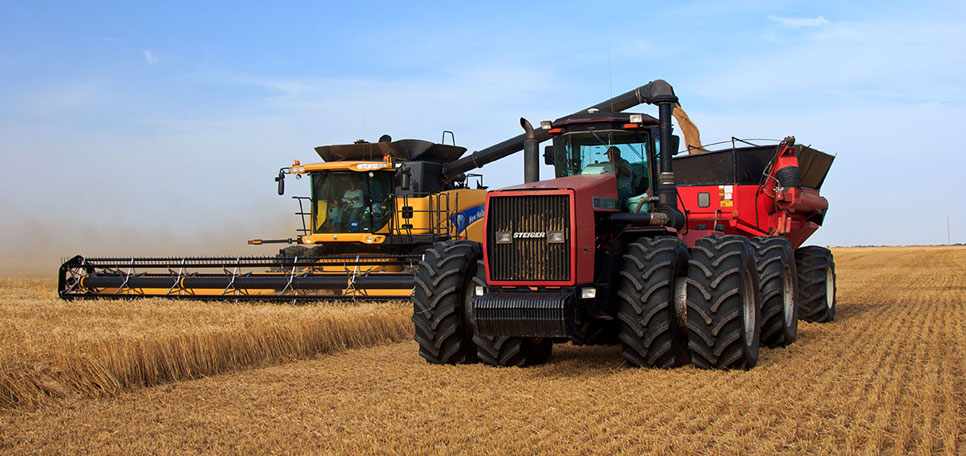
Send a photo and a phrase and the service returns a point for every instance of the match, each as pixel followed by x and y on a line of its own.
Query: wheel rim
pixel 829 288
pixel 788 296
pixel 681 303
pixel 748 308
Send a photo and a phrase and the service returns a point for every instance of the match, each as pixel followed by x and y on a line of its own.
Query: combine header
pixel 246 278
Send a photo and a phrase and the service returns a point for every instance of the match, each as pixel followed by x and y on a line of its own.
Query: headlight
pixel 503 237
pixel 588 293
pixel 479 290
pixel 555 237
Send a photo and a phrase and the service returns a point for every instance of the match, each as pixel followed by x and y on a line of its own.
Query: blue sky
pixel 157 128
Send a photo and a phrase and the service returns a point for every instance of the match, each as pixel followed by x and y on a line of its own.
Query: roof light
pixel 637 118
pixel 555 130
pixel 546 124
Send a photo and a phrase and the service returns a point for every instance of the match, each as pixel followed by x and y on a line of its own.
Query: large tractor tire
pixel 724 320
pixel 777 289
pixel 508 351
pixel 441 298
pixel 816 284
pixel 648 330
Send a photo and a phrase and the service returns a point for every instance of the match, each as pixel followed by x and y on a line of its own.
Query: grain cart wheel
pixel 443 287
pixel 816 284
pixel 648 330
pixel 724 320
pixel 506 350
pixel 777 289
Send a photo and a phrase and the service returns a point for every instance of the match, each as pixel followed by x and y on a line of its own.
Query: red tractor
pixel 691 259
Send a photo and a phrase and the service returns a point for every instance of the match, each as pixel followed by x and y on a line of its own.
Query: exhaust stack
pixel 531 153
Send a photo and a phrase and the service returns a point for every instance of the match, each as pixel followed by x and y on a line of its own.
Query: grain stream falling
pixel 887 377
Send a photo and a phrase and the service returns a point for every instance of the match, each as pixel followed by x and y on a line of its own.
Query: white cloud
pixel 800 21
pixel 150 57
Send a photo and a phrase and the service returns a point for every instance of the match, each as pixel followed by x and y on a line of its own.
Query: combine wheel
pixel 648 331
pixel 816 282
pixel 506 350
pixel 440 302
pixel 778 290
pixel 724 321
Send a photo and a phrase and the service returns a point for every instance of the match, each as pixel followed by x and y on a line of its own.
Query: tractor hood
pixel 602 185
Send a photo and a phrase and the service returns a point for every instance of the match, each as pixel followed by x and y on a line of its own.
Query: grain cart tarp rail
pixel 237 278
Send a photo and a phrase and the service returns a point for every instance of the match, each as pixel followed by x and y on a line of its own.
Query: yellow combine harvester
pixel 374 208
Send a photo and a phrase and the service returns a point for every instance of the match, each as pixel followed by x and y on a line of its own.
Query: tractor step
pixel 508 313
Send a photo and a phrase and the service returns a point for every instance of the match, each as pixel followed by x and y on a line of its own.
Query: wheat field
pixel 887 377
pixel 51 349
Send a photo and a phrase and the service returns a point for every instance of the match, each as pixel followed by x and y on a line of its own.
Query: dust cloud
pixel 35 246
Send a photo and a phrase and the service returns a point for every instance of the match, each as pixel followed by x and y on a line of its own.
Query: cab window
pixel 586 153
pixel 349 201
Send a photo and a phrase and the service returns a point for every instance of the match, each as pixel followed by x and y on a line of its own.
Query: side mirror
pixel 548 155
pixel 281 182
pixel 406 178
pixel 675 144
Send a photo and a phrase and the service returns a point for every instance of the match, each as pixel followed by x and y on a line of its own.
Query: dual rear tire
pixel 778 290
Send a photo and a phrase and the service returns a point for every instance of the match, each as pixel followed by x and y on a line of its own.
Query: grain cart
pixel 618 250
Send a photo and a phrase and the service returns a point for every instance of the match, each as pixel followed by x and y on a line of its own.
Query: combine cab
pixel 696 259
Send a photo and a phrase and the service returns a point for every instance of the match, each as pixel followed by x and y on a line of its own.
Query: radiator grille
pixel 529 259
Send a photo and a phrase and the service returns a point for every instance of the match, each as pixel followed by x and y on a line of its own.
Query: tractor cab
pixel 622 144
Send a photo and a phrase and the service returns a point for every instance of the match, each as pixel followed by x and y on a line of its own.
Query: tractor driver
pixel 622 169
pixel 353 201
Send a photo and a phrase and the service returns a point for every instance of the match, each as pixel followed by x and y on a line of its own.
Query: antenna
pixel 610 78
pixel 949 239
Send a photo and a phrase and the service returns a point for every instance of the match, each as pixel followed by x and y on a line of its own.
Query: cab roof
pixel 601 117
